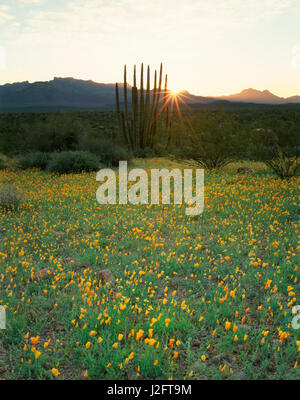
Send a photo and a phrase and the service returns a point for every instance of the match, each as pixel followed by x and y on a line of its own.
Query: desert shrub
pixel 93 144
pixel 113 154
pixel 107 152
pixel 284 162
pixel 2 163
pixel 214 141
pixel 5 162
pixel 160 150
pixel 277 144
pixel 34 160
pixel 73 161
pixel 58 132
pixel 10 197
pixel 110 154
pixel 146 152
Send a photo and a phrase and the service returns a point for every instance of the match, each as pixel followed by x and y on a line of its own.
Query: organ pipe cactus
pixel 138 125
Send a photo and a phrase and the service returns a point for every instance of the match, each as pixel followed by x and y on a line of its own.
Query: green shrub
pixel 283 164
pixel 160 150
pixel 277 144
pixel 2 164
pixel 73 161
pixel 110 154
pixel 4 161
pixel 107 152
pixel 214 142
pixel 9 196
pixel 93 144
pixel 35 160
pixel 146 152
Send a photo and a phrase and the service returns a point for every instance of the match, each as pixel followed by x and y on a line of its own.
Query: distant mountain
pixel 293 99
pixel 60 92
pixel 76 94
pixel 259 97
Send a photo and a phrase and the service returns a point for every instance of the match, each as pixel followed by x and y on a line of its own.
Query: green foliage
pixel 73 161
pixel 2 162
pixel 107 151
pixel 10 197
pixel 167 266
pixel 282 164
pixel 277 143
pixel 215 141
pixel 110 155
pixel 145 152
pixel 22 133
pixel 35 160
pixel 58 134
pixel 58 131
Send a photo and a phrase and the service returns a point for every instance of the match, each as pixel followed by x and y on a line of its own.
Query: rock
pixel 43 273
pixel 199 367
pixel 106 276
pixel 202 378
pixel 134 376
pixel 59 233
pixel 216 359
pixel 244 170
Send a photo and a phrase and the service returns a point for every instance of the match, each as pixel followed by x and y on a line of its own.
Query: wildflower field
pixel 206 297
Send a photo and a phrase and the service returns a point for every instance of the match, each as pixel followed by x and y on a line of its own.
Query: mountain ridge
pixel 260 96
pixel 75 93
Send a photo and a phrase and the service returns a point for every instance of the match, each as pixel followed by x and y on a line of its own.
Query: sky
pixel 208 47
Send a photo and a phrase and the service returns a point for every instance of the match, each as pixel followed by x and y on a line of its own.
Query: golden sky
pixel 211 47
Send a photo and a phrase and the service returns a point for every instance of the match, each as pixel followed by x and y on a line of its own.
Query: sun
pixel 174 93
pixel 175 100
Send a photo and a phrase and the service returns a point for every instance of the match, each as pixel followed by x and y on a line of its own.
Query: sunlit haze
pixel 214 47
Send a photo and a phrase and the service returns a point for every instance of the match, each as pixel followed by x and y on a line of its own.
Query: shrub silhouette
pixel 35 160
pixel 73 161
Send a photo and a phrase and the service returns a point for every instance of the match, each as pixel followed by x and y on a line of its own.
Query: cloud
pixel 30 2
pixel 155 15
pixel 5 15
pixel 195 38
pixel 120 23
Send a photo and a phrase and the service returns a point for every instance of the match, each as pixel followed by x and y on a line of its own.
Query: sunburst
pixel 177 100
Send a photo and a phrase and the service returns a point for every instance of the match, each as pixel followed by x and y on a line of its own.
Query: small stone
pixel 105 276
pixel 199 367
pixel 133 376
pixel 59 233
pixel 244 170
pixel 43 273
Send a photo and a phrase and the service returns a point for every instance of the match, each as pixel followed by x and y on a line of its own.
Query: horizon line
pixel 173 91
